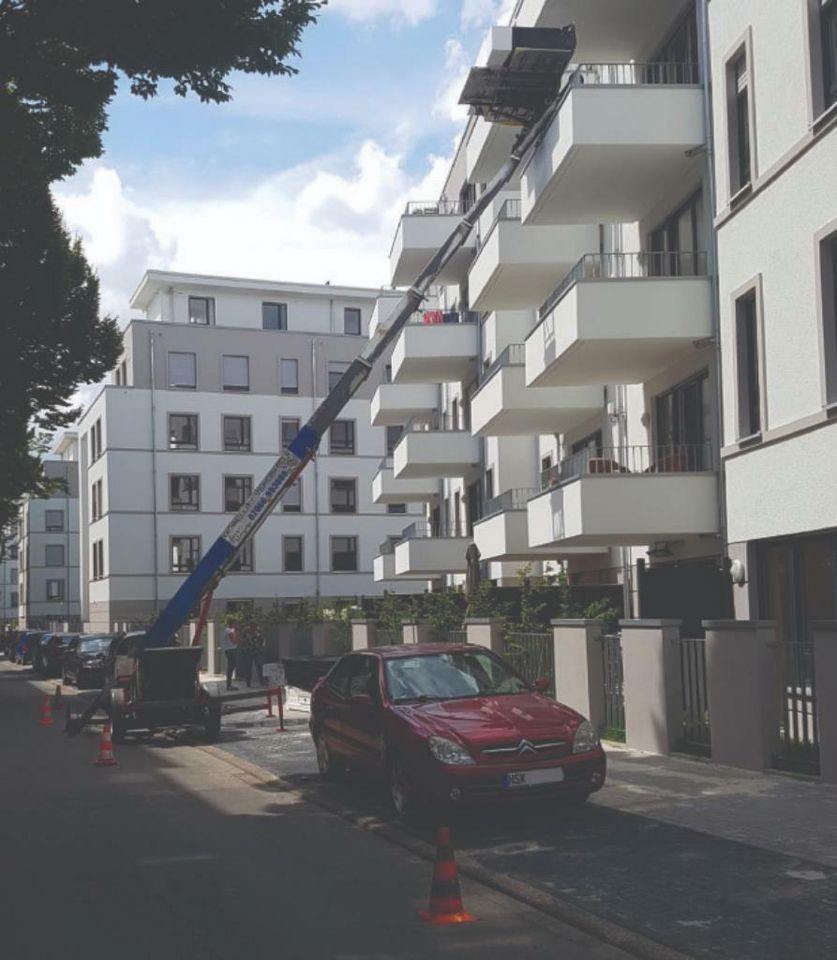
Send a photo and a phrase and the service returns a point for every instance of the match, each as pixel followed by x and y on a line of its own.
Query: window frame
pixel 740 134
pixel 400 512
pixel 54 529
pixel 298 537
pixel 344 364
pixel 169 377
pixel 246 444
pixel 210 311
pixel 293 507
pixel 350 448
pixel 282 315
pixel 826 266
pixel 233 387
pixel 349 538
pixel 196 491
pixel 745 390
pixel 245 562
pixel 352 508
pixel 55 546
pixel 356 313
pixel 282 422
pixel 178 446
pixel 828 41
pixel 389 433
pixel 247 478
pixel 173 568
pixel 284 390
pixel 61 593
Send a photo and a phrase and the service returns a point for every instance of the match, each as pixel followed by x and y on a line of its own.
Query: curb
pixel 606 931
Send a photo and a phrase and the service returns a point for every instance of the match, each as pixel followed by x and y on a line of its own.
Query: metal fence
pixel 532 655
pixel 433 208
pixel 614 690
pixel 509 500
pixel 694 699
pixel 459 635
pixel 799 745
pixel 634 74
pixel 630 458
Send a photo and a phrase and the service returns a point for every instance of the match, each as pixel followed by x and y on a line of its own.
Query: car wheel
pixel 329 770
pixel 403 794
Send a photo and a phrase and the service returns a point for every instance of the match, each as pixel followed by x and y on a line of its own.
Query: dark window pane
pixel 183 431
pixel 184 492
pixel 341 437
pixel 236 492
pixel 749 381
pixel 829 50
pixel 185 553
pixel 393 436
pixel 343 496
pixel 343 553
pixel 288 429
pixel 243 563
pixel 275 316
pixel 236 433
pixel 396 508
pixel 351 321
pixel 336 369
pixel 292 551
pixel 201 310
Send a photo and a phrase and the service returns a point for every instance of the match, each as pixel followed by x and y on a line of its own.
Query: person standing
pixel 229 645
pixel 252 643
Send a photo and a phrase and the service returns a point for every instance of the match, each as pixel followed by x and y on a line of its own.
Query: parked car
pixel 450 725
pixel 86 659
pixel 48 656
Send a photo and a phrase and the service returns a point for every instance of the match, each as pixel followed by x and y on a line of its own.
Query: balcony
pixel 626 496
pixel 386 489
pixel 441 448
pixel 620 318
pixel 430 550
pixel 422 229
pixel 488 148
pixel 623 136
pixel 394 404
pixel 443 348
pixel 518 266
pixel 383 310
pixel 383 565
pixel 502 534
pixel 505 406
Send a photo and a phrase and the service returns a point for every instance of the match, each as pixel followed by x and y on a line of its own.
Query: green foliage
pixel 442 610
pixel 604 612
pixel 392 612
pixel 533 598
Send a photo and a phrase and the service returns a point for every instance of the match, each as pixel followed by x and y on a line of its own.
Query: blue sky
pixel 298 178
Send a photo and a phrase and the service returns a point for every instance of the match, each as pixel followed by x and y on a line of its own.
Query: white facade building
pixel 9 579
pixel 214 380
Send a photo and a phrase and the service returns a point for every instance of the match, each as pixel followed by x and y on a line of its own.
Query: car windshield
pixel 450 676
pixel 95 646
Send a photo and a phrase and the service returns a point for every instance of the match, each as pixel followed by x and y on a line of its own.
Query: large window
pixel 828 28
pixel 55 519
pixel 675 244
pixel 351 321
pixel 828 270
pixel 288 429
pixel 98 558
pixel 341 438
pixel 55 589
pixel 343 496
pixel 393 436
pixel 235 373
pixel 202 310
pixel 288 376
pixel 336 369
pixel 738 106
pixel 96 440
pixel 97 504
pixel 681 425
pixel 54 555
pixel 236 492
pixel 237 434
pixel 243 563
pixel 183 431
pixel 343 554
pixel 748 365
pixel 184 493
pixel 183 371
pixel 292 501
pixel 185 553
pixel 275 316
pixel 292 559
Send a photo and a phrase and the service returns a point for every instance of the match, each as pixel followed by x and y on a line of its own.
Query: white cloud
pixel 485 13
pixel 409 11
pixel 457 65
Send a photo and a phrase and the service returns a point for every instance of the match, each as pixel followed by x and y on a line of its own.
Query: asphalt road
pixel 178 854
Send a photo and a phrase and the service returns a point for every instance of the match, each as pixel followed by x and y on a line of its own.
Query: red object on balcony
pixel 432 316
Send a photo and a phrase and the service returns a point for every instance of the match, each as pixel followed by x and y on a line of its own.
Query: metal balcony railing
pixel 627 266
pixel 508 501
pixel 509 210
pixel 433 208
pixel 620 461
pixel 513 356
pixel 434 318
pixel 438 423
pixel 634 75
pixel 432 530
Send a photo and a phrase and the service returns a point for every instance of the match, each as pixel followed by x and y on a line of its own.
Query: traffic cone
pixel 445 898
pixel 45 719
pixel 57 699
pixel 106 757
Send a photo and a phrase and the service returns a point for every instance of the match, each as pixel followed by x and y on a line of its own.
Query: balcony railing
pixel 433 208
pixel 634 75
pixel 624 460
pixel 432 318
pixel 438 423
pixel 510 209
pixel 513 356
pixel 627 266
pixel 431 530
pixel 509 500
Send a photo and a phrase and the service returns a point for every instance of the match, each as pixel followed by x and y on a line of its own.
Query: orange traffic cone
pixel 45 719
pixel 106 757
pixel 57 699
pixel 445 898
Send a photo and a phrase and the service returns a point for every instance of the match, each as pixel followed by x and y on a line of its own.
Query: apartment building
pixel 48 544
pixel 216 377
pixel 9 587
pixel 579 416
pixel 774 81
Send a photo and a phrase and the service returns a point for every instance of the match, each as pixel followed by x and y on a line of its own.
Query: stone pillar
pixel 741 680
pixel 417 631
pixel 651 672
pixel 825 672
pixel 579 670
pixel 364 634
pixel 214 653
pixel 485 631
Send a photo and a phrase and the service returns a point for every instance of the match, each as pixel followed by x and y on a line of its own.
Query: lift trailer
pixel 523 92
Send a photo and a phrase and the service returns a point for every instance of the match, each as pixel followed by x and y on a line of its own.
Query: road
pixel 178 854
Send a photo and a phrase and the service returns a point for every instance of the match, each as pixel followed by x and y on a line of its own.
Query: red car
pixel 450 724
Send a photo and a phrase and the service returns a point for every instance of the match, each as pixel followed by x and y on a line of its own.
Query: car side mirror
pixel 541 685
pixel 361 700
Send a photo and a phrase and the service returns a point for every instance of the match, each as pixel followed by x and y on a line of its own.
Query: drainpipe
pixel 316 466
pixel 154 473
pixel 625 552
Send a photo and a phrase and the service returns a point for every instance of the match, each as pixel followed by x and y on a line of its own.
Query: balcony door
pixel 680 234
pixel 681 426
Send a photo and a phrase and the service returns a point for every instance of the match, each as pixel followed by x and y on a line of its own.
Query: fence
pixel 694 736
pixel 799 747
pixel 630 459
pixel 433 208
pixel 458 635
pixel 532 655
pixel 614 687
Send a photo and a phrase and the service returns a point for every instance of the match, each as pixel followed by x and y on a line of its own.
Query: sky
pixel 298 179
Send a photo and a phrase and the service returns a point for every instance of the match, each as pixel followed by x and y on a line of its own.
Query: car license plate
pixel 533 778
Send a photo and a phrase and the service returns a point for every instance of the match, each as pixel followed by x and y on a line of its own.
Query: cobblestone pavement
pixel 715 862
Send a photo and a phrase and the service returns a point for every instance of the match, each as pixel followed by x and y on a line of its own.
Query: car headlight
pixel 586 738
pixel 448 751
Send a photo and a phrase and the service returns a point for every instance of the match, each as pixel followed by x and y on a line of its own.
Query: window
pixel 393 436
pixel 747 363
pixel 96 440
pixel 675 244
pixel 828 29
pixel 97 506
pixel 98 559
pixel 235 373
pixel 236 492
pixel 292 561
pixel 288 429
pixel 828 269
pixel 388 373
pixel 336 369
pixel 184 492
pixel 12 574
pixel 341 438
pixel 243 563
pixel 274 316
pixel 738 106
pixel 183 371
pixel 120 374
pixel 343 554
pixel 55 519
pixel 13 599
pixel 237 434
pixel 55 589
pixel 202 310
pixel 292 501
pixel 288 376
pixel 396 508
pixel 185 553
pixel 343 496
pixel 351 321
pixel 183 431
pixel 489 484
pixel 54 555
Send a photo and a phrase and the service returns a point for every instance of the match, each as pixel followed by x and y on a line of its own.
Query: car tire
pixel 329 770
pixel 118 727
pixel 212 724
pixel 403 795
